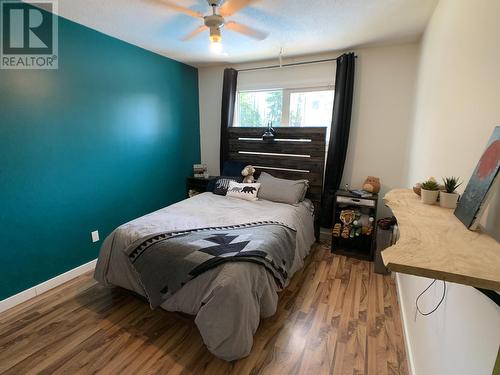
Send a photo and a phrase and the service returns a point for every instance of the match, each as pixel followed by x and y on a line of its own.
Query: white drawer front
pixel 356 201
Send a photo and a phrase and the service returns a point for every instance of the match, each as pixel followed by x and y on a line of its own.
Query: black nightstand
pixel 360 242
pixel 197 185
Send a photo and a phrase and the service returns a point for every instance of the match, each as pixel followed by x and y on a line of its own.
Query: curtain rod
pixel 290 64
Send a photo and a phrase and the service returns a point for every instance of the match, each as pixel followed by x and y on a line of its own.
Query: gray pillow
pixel 281 190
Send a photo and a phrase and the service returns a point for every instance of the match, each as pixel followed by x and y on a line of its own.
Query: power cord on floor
pixel 439 304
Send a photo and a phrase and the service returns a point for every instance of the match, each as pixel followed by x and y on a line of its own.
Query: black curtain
pixel 227 111
pixel 339 135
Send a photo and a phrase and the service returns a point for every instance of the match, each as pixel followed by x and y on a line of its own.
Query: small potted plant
pixel 429 191
pixel 448 198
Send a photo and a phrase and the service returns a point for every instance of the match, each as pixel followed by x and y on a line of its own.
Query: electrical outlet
pixel 95 236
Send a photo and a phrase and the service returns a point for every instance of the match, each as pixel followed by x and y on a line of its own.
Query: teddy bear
pixel 247 173
pixel 372 184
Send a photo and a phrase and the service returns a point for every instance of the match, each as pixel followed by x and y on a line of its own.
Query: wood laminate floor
pixel 336 317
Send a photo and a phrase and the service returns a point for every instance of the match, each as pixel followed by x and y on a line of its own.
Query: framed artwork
pixel 480 186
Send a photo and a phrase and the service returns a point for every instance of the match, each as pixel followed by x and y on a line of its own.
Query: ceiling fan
pixel 215 22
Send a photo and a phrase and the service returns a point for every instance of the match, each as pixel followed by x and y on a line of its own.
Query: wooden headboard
pixel 296 153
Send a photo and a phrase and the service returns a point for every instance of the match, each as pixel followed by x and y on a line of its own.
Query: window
pixel 311 108
pixel 257 108
pixel 284 107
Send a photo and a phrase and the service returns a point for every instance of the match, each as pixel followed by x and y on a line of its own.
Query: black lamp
pixel 269 133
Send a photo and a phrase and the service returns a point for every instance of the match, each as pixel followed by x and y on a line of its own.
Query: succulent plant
pixel 451 184
pixel 430 184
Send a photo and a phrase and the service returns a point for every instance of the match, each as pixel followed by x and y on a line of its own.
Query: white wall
pixel 457 106
pixel 381 118
pixel 210 89
pixel 382 114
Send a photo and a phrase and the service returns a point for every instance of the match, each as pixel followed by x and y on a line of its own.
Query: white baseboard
pixel 404 318
pixel 46 286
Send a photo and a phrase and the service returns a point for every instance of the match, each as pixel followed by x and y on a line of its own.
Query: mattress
pixel 229 300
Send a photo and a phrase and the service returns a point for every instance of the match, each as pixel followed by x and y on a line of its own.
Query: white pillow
pixel 243 191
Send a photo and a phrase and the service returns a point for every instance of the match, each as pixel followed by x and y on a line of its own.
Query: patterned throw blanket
pixel 166 261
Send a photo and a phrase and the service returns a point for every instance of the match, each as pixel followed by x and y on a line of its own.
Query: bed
pixel 228 300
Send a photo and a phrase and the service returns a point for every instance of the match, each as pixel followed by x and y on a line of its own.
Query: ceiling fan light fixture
pixel 216 48
pixel 215 36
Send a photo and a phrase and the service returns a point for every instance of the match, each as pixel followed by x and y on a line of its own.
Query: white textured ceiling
pixel 299 27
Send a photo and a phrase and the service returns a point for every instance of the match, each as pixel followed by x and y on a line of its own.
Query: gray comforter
pixel 229 300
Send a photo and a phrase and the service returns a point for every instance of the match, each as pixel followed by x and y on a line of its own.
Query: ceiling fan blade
pixel 230 7
pixel 182 9
pixel 246 30
pixel 194 33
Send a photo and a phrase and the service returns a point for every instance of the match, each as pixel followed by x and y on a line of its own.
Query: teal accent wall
pixel 109 136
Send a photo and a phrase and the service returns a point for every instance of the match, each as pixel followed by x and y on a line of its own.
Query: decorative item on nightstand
pixel 200 171
pixel 372 184
pixel 353 233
